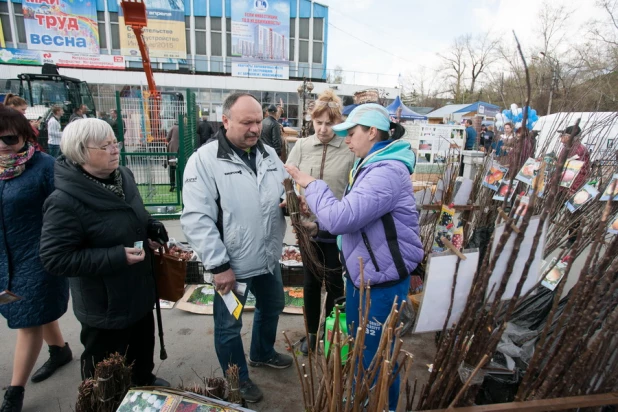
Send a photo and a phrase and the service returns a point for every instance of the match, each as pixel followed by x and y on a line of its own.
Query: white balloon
pixel 517 125
pixel 519 111
pixel 499 117
pixel 514 108
pixel 499 123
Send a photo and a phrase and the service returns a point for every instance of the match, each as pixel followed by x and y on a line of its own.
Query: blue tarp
pixel 406 113
pixel 487 109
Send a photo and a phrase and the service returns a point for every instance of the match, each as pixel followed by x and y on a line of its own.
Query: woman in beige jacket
pixel 324 156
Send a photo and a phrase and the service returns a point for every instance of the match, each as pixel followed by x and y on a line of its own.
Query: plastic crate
pixel 195 273
pixel 292 276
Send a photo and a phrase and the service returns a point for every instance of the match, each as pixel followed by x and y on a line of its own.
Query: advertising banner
pixel 263 71
pixel 84 61
pixel 2 43
pixel 165 34
pixel 61 25
pixel 20 56
pixel 260 38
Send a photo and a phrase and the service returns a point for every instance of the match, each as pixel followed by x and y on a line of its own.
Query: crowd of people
pixel 354 180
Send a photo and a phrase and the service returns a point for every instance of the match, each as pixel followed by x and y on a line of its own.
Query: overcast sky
pixel 411 33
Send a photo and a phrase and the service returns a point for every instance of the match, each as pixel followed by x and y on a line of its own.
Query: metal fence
pixel 144 132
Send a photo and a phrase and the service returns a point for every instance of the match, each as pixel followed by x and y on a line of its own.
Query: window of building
pixel 318 29
pixel 113 18
pixel 291 57
pixel 215 37
pixel 303 49
pixel 6 22
pixel 303 31
pixel 19 22
pixel 102 34
pixel 228 45
pixel 317 52
pixel 200 35
pixel 188 34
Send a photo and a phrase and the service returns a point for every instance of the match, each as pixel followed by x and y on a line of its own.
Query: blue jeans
pixel 268 292
pixel 381 304
pixel 54 150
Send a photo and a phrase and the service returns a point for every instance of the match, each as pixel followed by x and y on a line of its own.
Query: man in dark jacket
pixel 271 130
pixel 470 135
pixel 204 130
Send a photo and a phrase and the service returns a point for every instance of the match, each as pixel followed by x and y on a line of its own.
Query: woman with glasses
pixel 26 180
pixel 93 226
pixel 324 156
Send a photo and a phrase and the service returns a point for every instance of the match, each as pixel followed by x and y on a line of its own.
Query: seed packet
pixel 571 170
pixel 581 197
pixel 528 171
pixel 445 227
pixel 608 190
pixel 504 189
pixel 494 176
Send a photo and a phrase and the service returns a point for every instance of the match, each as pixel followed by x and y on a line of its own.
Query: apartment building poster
pixel 260 38
pixel 2 43
pixel 165 34
pixel 61 25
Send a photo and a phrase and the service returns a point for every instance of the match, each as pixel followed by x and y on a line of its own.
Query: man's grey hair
pixel 231 100
pixel 77 136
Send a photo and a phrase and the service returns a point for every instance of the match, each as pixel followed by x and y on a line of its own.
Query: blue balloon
pixel 508 114
pixel 533 113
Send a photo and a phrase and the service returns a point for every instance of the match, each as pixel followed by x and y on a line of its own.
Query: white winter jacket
pixel 231 217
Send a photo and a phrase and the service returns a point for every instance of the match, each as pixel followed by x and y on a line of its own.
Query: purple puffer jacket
pixel 380 188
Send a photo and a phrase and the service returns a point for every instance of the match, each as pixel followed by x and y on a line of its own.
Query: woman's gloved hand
pixel 157 233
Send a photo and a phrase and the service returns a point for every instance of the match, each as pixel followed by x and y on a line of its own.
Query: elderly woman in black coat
pixel 26 180
pixel 91 224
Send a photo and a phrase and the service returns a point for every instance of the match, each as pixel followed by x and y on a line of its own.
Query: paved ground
pixel 190 347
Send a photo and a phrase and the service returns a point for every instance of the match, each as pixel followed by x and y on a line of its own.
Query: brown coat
pixel 173 139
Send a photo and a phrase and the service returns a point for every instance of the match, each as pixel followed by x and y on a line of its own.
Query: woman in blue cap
pixel 376 219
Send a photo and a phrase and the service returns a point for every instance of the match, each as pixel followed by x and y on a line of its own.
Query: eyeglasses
pixel 10 139
pixel 108 147
pixel 332 105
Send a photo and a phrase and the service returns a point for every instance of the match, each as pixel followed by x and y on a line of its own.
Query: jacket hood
pixel 69 178
pixel 397 150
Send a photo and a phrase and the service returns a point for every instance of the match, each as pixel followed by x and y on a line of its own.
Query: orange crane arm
pixel 143 49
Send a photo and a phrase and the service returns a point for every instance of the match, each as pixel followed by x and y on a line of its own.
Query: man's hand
pixel 224 281
pixel 302 178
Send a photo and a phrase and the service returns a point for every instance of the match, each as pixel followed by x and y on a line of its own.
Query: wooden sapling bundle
pixel 309 254
pixel 349 386
pixel 104 393
pixel 233 379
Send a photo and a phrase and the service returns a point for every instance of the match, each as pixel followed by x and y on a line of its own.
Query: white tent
pixel 599 131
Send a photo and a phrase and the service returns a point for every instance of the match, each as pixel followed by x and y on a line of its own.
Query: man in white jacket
pixel 232 219
pixel 54 134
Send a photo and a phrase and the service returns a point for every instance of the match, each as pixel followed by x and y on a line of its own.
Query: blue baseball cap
pixel 369 114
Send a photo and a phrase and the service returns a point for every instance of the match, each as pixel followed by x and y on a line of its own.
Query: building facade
pixel 207 68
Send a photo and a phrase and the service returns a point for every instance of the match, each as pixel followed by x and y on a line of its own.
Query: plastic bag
pixel 466 370
pixel 498 388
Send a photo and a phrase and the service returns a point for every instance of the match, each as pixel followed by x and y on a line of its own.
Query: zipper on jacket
pixel 371 255
pixel 323 161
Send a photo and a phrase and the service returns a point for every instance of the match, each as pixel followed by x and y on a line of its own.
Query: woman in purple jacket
pixel 376 220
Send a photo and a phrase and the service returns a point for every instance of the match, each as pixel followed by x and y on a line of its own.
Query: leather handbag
pixel 170 272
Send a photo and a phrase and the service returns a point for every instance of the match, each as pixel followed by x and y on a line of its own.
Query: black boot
pixel 13 399
pixel 308 342
pixel 58 356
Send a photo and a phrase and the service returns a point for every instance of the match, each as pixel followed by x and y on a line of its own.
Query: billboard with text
pixel 61 25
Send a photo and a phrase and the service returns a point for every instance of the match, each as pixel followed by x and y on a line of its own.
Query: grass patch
pixel 158 195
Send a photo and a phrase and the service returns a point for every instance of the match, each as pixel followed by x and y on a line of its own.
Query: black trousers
pixel 329 256
pixel 172 172
pixel 136 342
